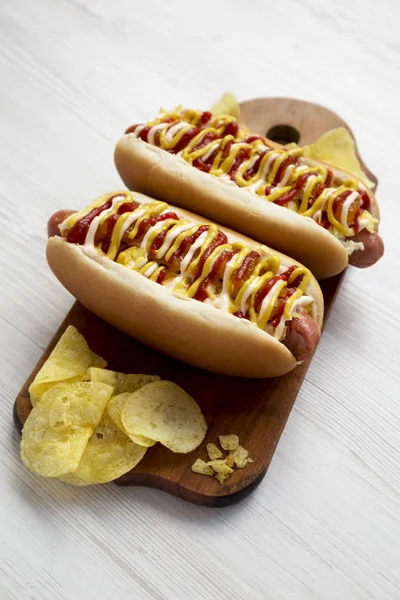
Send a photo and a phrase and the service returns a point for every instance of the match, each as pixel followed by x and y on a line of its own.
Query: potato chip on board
pixel 73 479
pixel 213 451
pixel 165 412
pixel 240 457
pixel 97 361
pixel 69 361
pixel 337 148
pixel 114 409
pixel 227 105
pixel 229 442
pixel 201 467
pixel 109 454
pixel 58 428
pixel 220 466
pixel 121 382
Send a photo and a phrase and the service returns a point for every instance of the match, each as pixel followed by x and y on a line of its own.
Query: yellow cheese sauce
pixel 220 147
pixel 196 261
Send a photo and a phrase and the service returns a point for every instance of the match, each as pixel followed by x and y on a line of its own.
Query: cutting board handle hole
pixel 283 134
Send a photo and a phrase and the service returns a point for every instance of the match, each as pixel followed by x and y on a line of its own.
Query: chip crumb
pixel 229 460
pixel 240 457
pixel 200 466
pixel 213 451
pixel 220 466
pixel 221 477
pixel 229 442
pixel 221 469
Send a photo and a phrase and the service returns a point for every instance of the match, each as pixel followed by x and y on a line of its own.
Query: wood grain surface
pixel 324 523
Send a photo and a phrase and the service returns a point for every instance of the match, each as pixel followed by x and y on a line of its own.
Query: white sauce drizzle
pixel 300 302
pixel 289 170
pixel 198 243
pixel 346 206
pixel 154 229
pixel 265 171
pixel 207 155
pixel 149 272
pixel 153 131
pixel 172 131
pixel 172 234
pixel 91 233
pixel 247 294
pixel 268 298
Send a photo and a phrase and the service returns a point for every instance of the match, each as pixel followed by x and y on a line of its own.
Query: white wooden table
pixel 324 524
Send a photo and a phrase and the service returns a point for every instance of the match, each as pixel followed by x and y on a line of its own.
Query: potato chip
pixel 114 409
pixel 58 428
pixel 221 469
pixel 292 146
pixel 229 460
pixel 97 361
pixel 164 412
pixel 337 148
pixel 69 361
pixel 229 442
pixel 201 467
pixel 227 105
pixel 221 477
pixel 121 382
pixel 220 466
pixel 241 457
pixel 73 479
pixel 108 454
pixel 213 451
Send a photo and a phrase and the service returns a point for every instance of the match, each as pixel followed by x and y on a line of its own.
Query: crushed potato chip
pixel 68 361
pixel 58 428
pixel 213 451
pixel 229 442
pixel 337 148
pixel 221 477
pixel 229 460
pixel 114 409
pixel 109 454
pixel 200 466
pixel 121 382
pixel 164 412
pixel 241 457
pixel 220 466
pixel 227 105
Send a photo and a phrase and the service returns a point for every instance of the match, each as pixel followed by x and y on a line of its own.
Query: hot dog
pixel 196 291
pixel 307 209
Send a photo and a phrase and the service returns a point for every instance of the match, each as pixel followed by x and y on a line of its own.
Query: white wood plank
pixel 324 524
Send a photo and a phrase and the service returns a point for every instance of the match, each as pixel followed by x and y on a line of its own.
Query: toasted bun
pixel 183 328
pixel 154 171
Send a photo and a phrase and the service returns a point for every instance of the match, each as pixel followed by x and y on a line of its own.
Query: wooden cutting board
pixel 256 410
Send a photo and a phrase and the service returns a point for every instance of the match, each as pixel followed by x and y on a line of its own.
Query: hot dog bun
pixel 152 170
pixel 183 328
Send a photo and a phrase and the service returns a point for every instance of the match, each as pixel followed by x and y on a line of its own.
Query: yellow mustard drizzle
pixel 137 258
pixel 71 220
pixel 221 164
pixel 179 240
